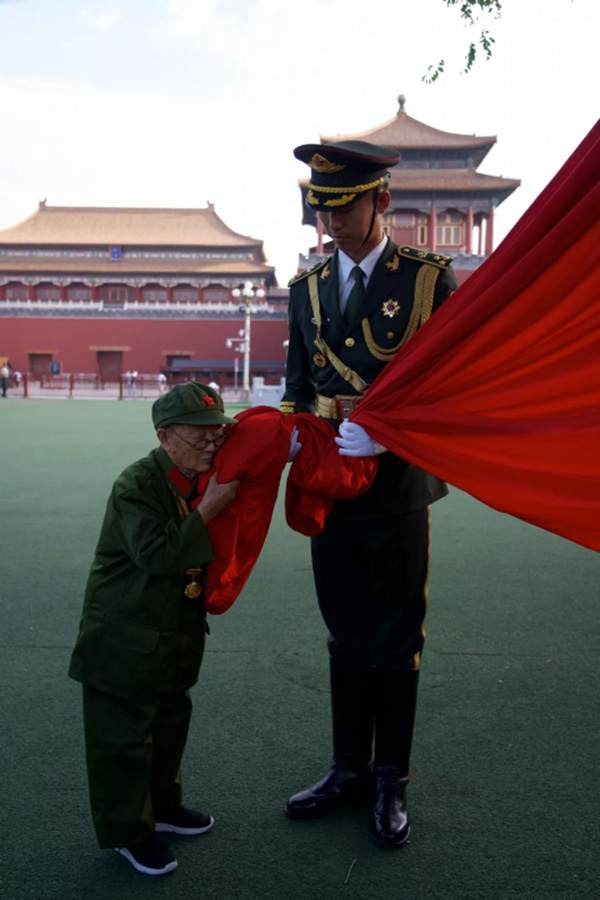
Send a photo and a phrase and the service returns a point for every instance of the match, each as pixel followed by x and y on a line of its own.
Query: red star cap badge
pixel 210 401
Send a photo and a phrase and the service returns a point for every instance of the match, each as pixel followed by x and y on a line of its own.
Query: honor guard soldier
pixel 348 317
pixel 143 627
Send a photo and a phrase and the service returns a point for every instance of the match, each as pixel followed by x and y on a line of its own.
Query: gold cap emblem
pixel 320 164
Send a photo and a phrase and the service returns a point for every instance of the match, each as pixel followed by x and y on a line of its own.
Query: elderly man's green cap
pixel 190 404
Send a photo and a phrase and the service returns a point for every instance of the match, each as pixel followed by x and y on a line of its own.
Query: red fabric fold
pixel 256 452
pixel 319 475
pixel 499 393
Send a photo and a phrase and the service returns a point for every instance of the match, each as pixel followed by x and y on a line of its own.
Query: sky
pixel 176 103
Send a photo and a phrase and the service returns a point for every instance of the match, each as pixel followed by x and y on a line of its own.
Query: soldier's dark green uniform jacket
pixel 405 287
pixel 140 636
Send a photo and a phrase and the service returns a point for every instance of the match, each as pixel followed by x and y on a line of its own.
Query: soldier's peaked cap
pixel 340 173
pixel 191 403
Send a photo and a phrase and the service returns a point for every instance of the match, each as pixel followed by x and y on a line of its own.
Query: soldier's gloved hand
pixel 295 445
pixel 353 440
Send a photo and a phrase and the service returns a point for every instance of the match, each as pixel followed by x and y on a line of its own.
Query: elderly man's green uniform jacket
pixel 140 636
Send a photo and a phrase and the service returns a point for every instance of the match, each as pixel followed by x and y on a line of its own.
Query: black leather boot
pixel 349 779
pixel 395 707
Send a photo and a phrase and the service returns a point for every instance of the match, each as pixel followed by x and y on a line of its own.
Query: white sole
pixel 175 829
pixel 136 865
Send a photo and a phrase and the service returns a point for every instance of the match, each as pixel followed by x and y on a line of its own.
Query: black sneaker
pixel 182 820
pixel 153 857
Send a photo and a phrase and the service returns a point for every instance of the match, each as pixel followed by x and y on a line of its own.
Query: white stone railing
pixel 193 306
pixel 142 306
pixel 50 304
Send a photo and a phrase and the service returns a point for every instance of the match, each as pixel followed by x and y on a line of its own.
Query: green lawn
pixel 504 794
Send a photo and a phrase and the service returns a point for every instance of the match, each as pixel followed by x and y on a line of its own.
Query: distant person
pixel 131 375
pixel 162 382
pixel 4 375
pixel 143 628
pixel 17 377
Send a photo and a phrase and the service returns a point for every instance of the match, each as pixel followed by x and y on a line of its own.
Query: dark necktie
pixel 356 294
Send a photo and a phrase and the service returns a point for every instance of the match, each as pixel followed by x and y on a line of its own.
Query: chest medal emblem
pixel 193 589
pixel 319 360
pixel 390 308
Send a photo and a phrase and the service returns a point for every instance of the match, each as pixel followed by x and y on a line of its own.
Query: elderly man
pixel 143 627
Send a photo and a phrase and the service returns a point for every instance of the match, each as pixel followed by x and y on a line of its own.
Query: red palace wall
pixel 70 340
pixel 148 340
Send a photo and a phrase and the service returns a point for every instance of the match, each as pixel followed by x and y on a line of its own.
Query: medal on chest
pixel 193 589
pixel 390 308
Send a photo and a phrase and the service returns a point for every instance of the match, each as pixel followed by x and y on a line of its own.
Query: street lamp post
pixel 248 293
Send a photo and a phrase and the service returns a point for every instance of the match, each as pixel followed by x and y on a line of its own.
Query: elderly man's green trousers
pixel 133 753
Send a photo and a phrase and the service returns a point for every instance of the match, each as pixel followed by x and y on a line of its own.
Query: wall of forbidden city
pixel 145 343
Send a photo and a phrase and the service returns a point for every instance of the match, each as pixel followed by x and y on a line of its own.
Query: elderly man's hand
pixel 217 498
pixel 353 440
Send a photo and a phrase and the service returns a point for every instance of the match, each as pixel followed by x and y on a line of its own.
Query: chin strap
pixel 375 196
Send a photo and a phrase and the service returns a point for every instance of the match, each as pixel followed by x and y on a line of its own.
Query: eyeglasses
pixel 216 440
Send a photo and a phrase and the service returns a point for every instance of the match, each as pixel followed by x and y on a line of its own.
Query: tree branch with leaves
pixel 471 12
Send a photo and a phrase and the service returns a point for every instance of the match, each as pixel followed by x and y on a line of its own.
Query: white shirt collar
pixel 345 264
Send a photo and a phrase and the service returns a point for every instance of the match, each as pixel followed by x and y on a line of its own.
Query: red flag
pixel 499 393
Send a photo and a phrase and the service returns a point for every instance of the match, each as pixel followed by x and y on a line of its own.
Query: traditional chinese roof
pixel 449 180
pixel 113 226
pixel 406 133
pixel 49 266
pixel 435 164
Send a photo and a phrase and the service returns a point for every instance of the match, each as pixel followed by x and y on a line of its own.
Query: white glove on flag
pixel 295 445
pixel 353 440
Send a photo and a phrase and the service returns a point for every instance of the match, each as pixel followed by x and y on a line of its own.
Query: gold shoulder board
pixel 316 268
pixel 434 259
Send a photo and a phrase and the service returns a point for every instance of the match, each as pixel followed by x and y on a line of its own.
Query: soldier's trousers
pixel 371 580
pixel 133 754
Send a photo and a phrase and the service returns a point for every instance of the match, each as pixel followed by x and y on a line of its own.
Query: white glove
pixel 353 440
pixel 295 446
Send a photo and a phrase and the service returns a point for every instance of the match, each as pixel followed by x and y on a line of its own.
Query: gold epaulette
pixel 287 406
pixel 435 259
pixel 316 268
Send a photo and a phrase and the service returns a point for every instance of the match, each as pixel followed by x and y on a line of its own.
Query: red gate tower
pixel 440 202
